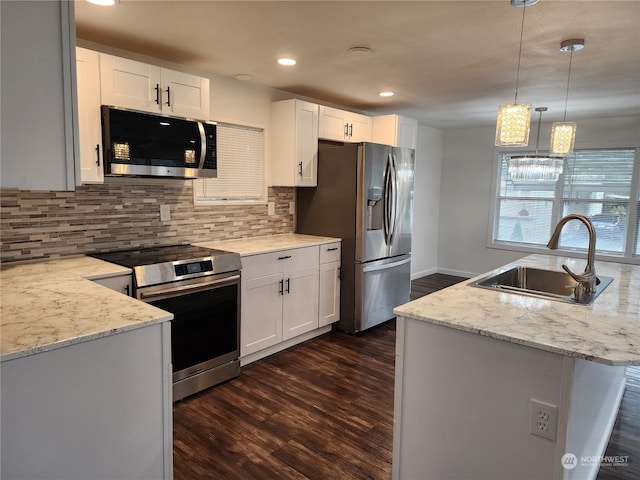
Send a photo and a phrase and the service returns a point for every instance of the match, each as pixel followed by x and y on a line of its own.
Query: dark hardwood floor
pixel 324 410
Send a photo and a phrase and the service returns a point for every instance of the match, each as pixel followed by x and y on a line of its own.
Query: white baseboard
pixel 424 273
pixel 457 273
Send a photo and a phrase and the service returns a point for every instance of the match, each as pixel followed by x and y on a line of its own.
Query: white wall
pixel 426 201
pixel 468 159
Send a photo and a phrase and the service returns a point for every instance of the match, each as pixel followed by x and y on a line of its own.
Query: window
pixel 599 184
pixel 241 177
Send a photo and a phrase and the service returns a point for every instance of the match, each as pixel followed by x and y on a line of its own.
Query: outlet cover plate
pixel 543 419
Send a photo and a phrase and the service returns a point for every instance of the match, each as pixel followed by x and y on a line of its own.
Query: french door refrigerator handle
pixel 394 200
pixel 386 218
pixel 374 268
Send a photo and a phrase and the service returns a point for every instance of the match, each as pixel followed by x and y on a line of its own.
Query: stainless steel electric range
pixel 201 288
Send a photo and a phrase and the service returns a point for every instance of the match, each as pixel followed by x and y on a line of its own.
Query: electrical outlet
pixel 271 208
pixel 292 208
pixel 165 213
pixel 544 419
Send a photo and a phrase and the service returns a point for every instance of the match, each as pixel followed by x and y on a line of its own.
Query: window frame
pixel 199 201
pixel 628 253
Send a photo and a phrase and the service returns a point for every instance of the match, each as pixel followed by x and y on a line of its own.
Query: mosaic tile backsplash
pixel 98 218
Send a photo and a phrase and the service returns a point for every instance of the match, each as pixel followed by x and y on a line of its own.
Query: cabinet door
pixel 293 153
pixel 306 138
pixel 300 306
pixel 89 122
pixel 185 95
pixel 130 84
pixel 329 295
pixel 121 283
pixel 407 132
pixel 359 127
pixel 332 124
pixel 261 314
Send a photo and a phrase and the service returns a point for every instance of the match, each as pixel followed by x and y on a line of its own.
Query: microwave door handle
pixel 203 145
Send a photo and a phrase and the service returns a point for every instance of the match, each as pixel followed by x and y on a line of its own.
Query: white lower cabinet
pixel 120 283
pixel 329 288
pixel 279 297
pixel 288 296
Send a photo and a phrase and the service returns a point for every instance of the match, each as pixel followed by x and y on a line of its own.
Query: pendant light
pixel 512 126
pixel 535 168
pixel 563 134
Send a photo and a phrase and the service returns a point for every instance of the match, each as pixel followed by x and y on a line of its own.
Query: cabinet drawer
pixel 281 261
pixel 330 252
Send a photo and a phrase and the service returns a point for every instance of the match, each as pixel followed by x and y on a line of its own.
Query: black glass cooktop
pixel 159 254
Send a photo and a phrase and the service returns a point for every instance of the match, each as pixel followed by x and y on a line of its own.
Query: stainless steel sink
pixel 547 284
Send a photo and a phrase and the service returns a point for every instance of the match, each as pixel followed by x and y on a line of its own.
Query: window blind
pixel 240 177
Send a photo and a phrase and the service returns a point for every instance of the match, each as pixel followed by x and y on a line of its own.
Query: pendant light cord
pixel 566 99
pixel 539 122
pixel 524 9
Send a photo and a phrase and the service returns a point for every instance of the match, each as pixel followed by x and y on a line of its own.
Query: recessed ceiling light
pixel 286 61
pixel 103 3
pixel 386 94
pixel 359 51
pixel 244 77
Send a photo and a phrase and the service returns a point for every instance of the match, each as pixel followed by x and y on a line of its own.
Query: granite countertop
pixel 607 331
pixel 266 244
pixel 53 304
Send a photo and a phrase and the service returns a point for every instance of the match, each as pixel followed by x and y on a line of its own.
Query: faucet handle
pixel 587 279
pixel 577 277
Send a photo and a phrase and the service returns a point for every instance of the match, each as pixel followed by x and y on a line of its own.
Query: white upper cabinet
pixel 293 160
pixel 37 127
pixel 343 126
pixel 89 124
pixel 140 86
pixel 395 130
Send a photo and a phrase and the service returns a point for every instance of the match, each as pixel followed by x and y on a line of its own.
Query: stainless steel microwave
pixel 138 144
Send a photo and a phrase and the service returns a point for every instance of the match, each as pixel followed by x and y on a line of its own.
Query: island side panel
pixel 97 409
pixel 597 391
pixel 463 405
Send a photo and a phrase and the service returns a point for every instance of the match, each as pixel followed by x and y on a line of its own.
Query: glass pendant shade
pixel 512 127
pixel 563 136
pixel 535 168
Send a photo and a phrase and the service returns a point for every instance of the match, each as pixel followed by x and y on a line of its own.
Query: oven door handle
pixel 177 291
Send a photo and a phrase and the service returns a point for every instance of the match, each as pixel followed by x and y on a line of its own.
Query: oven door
pixel 205 331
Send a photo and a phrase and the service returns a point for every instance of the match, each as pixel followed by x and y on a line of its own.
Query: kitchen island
pixel 86 375
pixel 501 385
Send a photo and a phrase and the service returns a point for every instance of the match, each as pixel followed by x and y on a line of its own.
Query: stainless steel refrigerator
pixel 364 196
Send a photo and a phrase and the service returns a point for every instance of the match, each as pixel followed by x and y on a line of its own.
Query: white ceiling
pixel 450 62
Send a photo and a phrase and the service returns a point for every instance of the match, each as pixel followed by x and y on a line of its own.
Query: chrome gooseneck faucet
pixel 587 280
